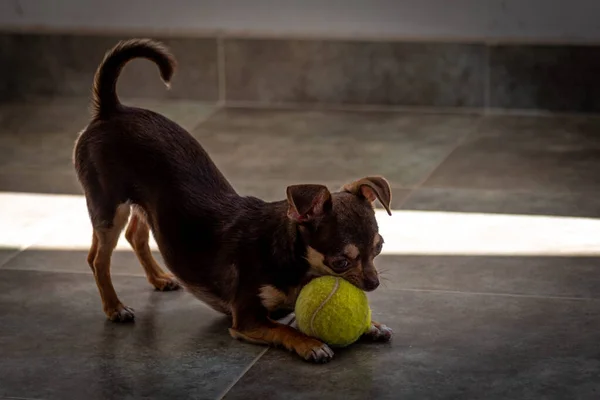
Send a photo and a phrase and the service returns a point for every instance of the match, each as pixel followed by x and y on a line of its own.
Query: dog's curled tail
pixel 104 93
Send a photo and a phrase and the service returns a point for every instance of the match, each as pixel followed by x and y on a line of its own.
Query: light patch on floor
pixel 456 233
pixel 60 222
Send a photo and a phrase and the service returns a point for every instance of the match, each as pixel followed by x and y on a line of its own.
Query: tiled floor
pixel 469 324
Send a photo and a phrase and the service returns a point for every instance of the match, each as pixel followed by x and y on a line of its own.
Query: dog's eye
pixel 379 247
pixel 340 264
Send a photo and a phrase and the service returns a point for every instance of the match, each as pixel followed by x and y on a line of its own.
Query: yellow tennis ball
pixel 333 310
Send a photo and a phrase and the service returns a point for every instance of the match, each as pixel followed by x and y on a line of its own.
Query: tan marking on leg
pixel 138 236
pixel 93 250
pixel 107 239
pixel 276 334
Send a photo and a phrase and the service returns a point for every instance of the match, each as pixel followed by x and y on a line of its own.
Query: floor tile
pixel 48 115
pixel 34 181
pixel 485 326
pixel 57 343
pixel 408 232
pixel 187 113
pixel 354 72
pixel 332 148
pixel 124 262
pixel 63 243
pixel 399 196
pixel 506 202
pixel 450 346
pixel 36 140
pixel 526 153
pixel 24 221
pixel 40 136
pixel 576 277
pixel 6 253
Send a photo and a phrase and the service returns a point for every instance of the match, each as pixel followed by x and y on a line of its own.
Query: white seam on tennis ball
pixel 312 319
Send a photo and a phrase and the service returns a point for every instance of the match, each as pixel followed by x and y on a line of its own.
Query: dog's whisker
pixel 383 274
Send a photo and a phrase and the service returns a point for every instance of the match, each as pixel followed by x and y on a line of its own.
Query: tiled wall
pixel 337 72
pixel 332 72
pixel 63 65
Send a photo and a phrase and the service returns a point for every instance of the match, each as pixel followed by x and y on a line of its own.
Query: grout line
pixel 289 320
pixel 473 111
pixel 587 192
pixel 12 257
pixel 129 275
pixel 442 161
pixel 495 294
pixel 356 107
pixel 217 107
pixel 222 83
pixel 254 34
pixel 534 112
pixel 241 375
pixel 65 271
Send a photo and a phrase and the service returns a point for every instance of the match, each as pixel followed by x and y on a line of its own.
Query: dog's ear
pixel 371 188
pixel 307 202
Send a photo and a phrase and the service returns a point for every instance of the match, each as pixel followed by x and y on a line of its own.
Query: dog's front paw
pixel 120 313
pixel 379 333
pixel 165 283
pixel 278 334
pixel 315 351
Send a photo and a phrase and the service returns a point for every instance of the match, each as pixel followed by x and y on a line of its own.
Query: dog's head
pixel 340 229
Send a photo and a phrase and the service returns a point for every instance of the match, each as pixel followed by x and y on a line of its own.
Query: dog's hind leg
pixel 138 235
pixel 105 238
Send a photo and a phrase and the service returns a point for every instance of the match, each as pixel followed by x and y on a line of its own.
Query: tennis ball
pixel 333 310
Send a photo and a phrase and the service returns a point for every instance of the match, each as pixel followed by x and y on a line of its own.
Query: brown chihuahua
pixel 242 256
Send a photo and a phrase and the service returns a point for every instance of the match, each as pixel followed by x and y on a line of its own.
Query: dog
pixel 242 256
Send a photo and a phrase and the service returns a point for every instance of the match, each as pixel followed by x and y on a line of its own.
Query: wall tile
pixel 64 65
pixel 555 78
pixel 339 72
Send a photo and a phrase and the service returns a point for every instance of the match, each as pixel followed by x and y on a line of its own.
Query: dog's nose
pixel 371 283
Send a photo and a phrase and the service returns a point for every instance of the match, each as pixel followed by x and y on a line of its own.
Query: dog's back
pixel 134 155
